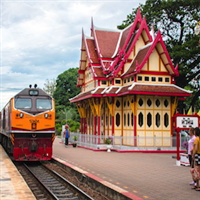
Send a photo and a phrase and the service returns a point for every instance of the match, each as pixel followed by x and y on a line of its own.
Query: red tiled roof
pixel 92 52
pixel 142 88
pixel 99 91
pixel 124 37
pixel 107 42
pixel 139 58
pixel 81 96
pixel 98 71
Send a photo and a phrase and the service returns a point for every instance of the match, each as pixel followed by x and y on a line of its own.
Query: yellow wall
pixel 139 44
pixel 158 126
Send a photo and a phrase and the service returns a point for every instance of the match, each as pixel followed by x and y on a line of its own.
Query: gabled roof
pixel 144 53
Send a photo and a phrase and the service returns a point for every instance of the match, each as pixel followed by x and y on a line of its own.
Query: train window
pixel 43 103
pixel 23 103
pixel 33 92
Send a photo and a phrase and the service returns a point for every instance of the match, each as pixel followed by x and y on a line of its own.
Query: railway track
pixel 55 185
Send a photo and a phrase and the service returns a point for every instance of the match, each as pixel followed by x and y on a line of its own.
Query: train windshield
pixel 44 103
pixel 23 103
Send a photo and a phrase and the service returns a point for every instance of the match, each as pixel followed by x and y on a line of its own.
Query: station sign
pixel 186 121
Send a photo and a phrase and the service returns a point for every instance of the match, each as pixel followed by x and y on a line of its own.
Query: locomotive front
pixel 32 125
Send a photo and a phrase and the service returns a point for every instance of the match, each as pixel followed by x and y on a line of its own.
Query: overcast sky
pixel 42 39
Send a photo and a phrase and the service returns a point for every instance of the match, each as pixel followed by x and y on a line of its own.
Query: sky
pixel 41 39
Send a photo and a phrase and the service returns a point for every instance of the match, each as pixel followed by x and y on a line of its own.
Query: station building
pixel 127 85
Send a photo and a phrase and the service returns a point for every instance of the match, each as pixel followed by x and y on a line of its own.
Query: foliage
pixel 109 140
pixel 75 138
pixel 176 20
pixel 59 130
pixel 194 97
pixel 73 126
pixel 50 86
pixel 66 89
pixel 63 122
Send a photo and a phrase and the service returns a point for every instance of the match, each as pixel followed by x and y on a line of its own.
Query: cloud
pixel 40 40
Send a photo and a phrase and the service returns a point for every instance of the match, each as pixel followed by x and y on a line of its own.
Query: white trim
pixel 84 38
pixel 136 56
pixel 113 86
pixel 95 90
pixel 25 132
pixel 104 90
pixel 80 94
pixel 122 87
pixel 166 85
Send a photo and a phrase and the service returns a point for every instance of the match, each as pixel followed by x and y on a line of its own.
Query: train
pixel 27 125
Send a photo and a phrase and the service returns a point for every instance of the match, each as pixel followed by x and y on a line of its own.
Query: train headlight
pixel 21 115
pixel 46 115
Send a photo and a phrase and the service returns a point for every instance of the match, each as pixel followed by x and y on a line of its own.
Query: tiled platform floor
pixel 12 185
pixel 149 176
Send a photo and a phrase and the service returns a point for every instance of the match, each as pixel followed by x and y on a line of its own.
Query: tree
pixel 66 89
pixel 50 86
pixel 176 19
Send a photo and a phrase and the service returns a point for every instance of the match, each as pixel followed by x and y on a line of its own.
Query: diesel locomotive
pixel 27 125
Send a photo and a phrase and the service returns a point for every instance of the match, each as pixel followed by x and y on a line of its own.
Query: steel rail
pixel 67 182
pixel 50 192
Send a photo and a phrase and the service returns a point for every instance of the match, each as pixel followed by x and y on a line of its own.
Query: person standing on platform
pixel 196 154
pixel 67 135
pixel 190 149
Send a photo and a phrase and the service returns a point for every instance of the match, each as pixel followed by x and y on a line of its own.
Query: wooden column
pixel 113 123
pixel 135 121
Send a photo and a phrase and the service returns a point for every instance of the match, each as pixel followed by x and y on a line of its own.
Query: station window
pixel 140 119
pixel 110 82
pixel 117 119
pixel 124 103
pixel 118 104
pixel 139 78
pixel 124 81
pixel 117 81
pixel 149 119
pixel 132 122
pixel 128 119
pixel 124 119
pixel 103 82
pixel 167 80
pixel 128 80
pixel 146 78
pixel 132 78
pixel 153 79
pixel 166 120
pixel 157 119
pixel 110 120
pixel 160 79
pixel 106 120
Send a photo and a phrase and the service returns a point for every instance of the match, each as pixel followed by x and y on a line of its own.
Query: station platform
pixel 152 176
pixel 12 184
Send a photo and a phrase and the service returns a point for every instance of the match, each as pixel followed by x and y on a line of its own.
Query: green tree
pixel 176 19
pixel 66 89
pixel 50 86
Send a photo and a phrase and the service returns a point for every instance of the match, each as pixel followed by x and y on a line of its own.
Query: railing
pixel 129 142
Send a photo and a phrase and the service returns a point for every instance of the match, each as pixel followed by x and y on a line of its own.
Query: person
pixel 67 135
pixel 196 154
pixel 190 149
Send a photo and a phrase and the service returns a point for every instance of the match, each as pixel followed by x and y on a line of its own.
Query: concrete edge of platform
pixel 103 186
pixel 17 180
pixel 133 151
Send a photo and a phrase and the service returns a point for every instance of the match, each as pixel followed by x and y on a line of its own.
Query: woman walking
pixel 196 154
pixel 190 149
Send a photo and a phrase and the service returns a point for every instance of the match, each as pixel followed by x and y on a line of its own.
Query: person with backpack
pixel 67 135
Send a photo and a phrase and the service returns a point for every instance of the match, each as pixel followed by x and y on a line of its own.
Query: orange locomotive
pixel 27 125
